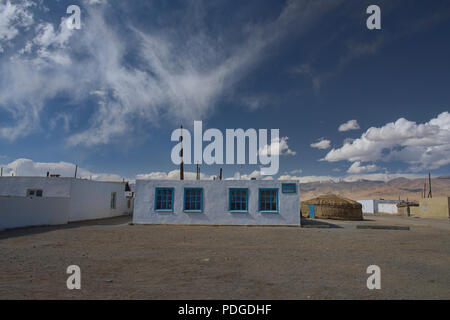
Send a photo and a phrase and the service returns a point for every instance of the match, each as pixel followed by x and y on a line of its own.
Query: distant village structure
pixel 380 206
pixel 332 206
pixel 35 201
pixel 438 207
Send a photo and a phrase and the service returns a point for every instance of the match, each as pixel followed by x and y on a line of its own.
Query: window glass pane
pixel 268 200
pixel 238 200
pixel 192 199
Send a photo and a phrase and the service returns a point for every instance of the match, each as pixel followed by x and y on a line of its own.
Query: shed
pixel 331 206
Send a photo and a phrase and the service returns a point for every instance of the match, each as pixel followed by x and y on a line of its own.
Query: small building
pixel 404 208
pixel 33 201
pixel 331 206
pixel 219 202
pixel 438 207
pixel 380 206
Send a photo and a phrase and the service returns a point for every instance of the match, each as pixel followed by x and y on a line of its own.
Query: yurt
pixel 331 206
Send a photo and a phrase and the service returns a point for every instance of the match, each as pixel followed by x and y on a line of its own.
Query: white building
pixel 219 202
pixel 32 201
pixel 379 206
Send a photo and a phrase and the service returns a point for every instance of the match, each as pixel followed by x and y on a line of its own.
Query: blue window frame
pixel 193 199
pixel 268 200
pixel 238 201
pixel 164 199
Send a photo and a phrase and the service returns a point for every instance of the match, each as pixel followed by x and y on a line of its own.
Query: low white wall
pixel 367 206
pixel 92 200
pixel 387 208
pixel 52 187
pixel 16 212
pixel 215 203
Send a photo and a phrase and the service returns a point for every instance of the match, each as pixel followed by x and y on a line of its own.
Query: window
pixel 164 199
pixel 193 199
pixel 238 200
pixel 268 200
pixel 34 193
pixel 113 200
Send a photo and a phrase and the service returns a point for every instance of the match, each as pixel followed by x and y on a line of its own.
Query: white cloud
pixel 172 175
pixel 357 168
pixel 30 168
pixel 349 125
pixel 322 144
pixel 13 17
pixel 352 178
pixel 422 146
pixel 278 147
pixel 180 75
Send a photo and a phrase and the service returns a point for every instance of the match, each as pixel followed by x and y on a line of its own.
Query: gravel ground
pixel 122 261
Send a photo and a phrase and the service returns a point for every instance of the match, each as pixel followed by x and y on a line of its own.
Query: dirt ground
pixel 122 261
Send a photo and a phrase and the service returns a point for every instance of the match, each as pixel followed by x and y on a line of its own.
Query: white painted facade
pixel 379 206
pixel 63 200
pixel 215 207
pixel 368 206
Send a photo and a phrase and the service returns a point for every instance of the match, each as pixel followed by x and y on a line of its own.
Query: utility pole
pixel 181 155
pixel 429 182
pixel 1 173
pixel 76 170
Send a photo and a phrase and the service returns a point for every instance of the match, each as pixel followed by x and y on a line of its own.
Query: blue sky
pixel 108 96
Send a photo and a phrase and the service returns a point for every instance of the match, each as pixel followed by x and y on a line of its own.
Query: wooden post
pixel 430 195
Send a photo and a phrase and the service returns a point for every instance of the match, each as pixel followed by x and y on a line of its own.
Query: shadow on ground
pixel 313 223
pixel 19 232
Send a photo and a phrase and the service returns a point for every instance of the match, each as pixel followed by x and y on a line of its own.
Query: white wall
pixel 18 212
pixel 367 206
pixel 84 200
pixel 52 187
pixel 215 203
pixel 387 208
pixel 92 200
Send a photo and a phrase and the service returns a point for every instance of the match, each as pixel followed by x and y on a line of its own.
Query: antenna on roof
pixel 181 155
pixel 197 172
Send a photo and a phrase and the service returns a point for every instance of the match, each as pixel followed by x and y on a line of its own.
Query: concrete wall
pixel 215 203
pixel 52 187
pixel 84 200
pixel 432 208
pixel 390 208
pixel 18 212
pixel 379 206
pixel 367 206
pixel 92 200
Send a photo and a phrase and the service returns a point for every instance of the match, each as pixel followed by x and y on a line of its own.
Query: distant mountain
pixel 402 188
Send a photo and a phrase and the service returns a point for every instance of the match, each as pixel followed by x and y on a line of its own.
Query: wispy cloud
pixel 177 74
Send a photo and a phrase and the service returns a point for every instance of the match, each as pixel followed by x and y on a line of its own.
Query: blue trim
pixel 201 200
pixel 276 199
pixel 230 191
pixel 156 200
